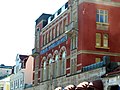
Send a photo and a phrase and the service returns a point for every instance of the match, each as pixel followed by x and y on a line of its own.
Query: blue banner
pixel 63 39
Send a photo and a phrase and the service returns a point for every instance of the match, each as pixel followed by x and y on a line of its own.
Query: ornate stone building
pixel 71 43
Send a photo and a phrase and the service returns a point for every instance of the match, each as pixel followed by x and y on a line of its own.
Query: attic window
pixel 52 17
pixel 66 5
pixel 59 11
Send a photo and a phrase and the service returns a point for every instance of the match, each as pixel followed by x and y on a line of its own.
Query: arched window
pixel 44 70
pixel 50 68
pixel 57 65
pixel 63 64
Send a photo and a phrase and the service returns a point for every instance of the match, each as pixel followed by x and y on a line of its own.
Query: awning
pixel 58 88
pixel 97 85
pixel 70 87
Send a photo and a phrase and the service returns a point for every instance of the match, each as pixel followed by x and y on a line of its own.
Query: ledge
pixel 102 47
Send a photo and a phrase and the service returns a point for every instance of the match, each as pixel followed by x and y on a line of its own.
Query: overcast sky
pixel 17 25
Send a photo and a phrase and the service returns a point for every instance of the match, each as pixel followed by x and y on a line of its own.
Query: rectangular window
pixel 97 60
pixel 64 24
pixel 57 27
pixel 73 66
pixel 47 37
pixel 51 35
pixel 101 40
pixel 101 16
pixel 43 39
pixel 74 42
pixel 98 39
pixel 60 28
pixel 105 40
pixel 54 32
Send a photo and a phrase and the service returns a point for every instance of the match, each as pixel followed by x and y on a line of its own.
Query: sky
pixel 17 26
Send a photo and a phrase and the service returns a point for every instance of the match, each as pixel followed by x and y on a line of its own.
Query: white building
pixel 5 83
pixel 23 73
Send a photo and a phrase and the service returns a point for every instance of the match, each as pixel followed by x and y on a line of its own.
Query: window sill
pixel 102 47
pixel 102 26
pixel 100 23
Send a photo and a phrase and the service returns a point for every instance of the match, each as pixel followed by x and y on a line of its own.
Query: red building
pixel 75 38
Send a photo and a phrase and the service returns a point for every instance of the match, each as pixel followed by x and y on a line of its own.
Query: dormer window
pixel 66 5
pixel 59 11
pixel 52 17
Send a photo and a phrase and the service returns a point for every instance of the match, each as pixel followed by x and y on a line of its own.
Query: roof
pixel 6 67
pixel 42 17
pixel 23 57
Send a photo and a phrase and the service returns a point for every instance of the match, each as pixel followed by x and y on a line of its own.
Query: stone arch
pixel 62 55
pixel 43 69
pixel 63 49
pixel 48 57
pixel 54 54
pixel 42 62
pixel 56 65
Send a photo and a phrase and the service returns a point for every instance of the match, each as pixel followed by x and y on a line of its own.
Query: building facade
pixel 23 73
pixel 5 83
pixel 5 71
pixel 74 40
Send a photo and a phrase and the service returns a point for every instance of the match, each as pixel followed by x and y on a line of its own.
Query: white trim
pixel 67 68
pixel 98 53
pixel 79 64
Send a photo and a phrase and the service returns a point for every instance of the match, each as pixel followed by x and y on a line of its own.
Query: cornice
pixel 109 3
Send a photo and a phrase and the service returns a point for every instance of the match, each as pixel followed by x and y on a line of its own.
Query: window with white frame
pixel 105 40
pixel 98 40
pixel 43 39
pixel 74 42
pixel 57 68
pixel 44 70
pixel 57 27
pixel 60 28
pixel 63 64
pixel 102 40
pixel 51 35
pixel 50 68
pixel 73 65
pixel 101 16
pixel 47 37
pixel 64 24
pixel 54 33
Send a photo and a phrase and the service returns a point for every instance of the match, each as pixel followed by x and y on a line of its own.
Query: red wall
pixel 87 34
pixel 116 0
pixel 87 31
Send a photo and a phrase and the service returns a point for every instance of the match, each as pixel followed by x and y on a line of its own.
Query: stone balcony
pixel 71 29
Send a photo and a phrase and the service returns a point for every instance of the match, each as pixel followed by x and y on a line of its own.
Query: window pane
pixel 101 12
pixel 101 18
pixel 56 58
pixel 50 61
pixel 97 18
pixel 97 60
pixel 106 19
pixel 105 40
pixel 64 55
pixel 98 39
pixel 106 12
